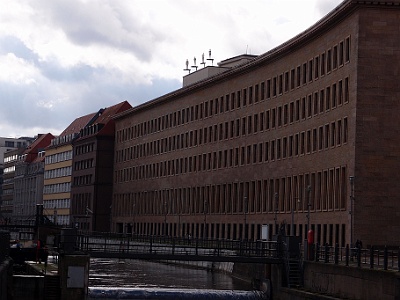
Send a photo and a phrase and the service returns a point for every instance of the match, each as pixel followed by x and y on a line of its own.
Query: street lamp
pixel 134 223
pixel 205 218
pixel 165 216
pixel 276 212
pixel 245 217
pixel 351 212
pixel 308 207
pixel 294 205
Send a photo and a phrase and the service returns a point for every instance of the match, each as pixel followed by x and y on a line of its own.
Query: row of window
pixel 324 233
pixel 58 157
pixel 83 180
pixel 64 187
pixel 9 170
pixel 55 204
pixel 325 137
pixel 10 158
pixel 83 164
pixel 82 149
pixel 81 201
pixel 306 107
pixel 60 219
pixel 304 73
pixel 59 172
pixel 326 190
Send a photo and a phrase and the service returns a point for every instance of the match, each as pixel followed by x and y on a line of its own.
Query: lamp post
pixel 351 212
pixel 245 217
pixel 165 216
pixel 295 205
pixel 133 223
pixel 276 212
pixel 205 219
pixel 308 207
pixel 179 217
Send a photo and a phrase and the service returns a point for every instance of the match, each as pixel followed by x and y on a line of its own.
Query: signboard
pixel 264 232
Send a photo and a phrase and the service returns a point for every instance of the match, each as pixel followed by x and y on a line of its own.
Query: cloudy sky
pixel 62 59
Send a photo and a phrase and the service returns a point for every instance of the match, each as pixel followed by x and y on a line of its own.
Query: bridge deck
pixel 161 248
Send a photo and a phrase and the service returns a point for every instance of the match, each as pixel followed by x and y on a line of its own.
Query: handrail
pixel 372 257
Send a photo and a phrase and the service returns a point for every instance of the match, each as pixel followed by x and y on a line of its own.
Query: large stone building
pixel 92 169
pixel 303 135
pixel 58 170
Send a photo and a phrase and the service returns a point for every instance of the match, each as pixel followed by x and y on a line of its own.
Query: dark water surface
pixel 111 273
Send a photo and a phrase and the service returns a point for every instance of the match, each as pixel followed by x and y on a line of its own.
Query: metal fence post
pixel 347 254
pixel 371 257
pixel 336 254
pixel 398 260
pixel 317 252
pixel 359 256
pixel 385 258
pixel 326 253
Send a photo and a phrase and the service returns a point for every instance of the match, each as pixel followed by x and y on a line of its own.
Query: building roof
pixel 343 10
pixel 77 125
pixel 103 123
pixel 42 141
pixel 109 112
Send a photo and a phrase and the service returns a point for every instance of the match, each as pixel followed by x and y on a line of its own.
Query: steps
pixel 295 279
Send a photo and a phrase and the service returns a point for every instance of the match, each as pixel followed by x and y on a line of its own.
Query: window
pixel 329 61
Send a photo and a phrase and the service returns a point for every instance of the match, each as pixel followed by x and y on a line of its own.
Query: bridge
pixel 178 249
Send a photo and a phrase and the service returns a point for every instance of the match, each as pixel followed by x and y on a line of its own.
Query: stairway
pixel 294 276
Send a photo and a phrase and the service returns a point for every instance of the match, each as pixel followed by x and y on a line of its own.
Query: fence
pixel 176 246
pixel 373 257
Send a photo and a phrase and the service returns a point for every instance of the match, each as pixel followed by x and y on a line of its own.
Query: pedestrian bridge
pixel 178 249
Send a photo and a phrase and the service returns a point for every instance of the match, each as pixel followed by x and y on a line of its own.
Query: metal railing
pixel 162 245
pixel 374 257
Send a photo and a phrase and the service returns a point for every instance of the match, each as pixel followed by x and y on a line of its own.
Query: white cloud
pixel 65 58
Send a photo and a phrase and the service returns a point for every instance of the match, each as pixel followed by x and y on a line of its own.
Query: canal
pixel 111 273
pixel 111 279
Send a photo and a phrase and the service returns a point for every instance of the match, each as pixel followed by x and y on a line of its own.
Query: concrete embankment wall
pixel 351 282
pixel 328 281
pixel 5 278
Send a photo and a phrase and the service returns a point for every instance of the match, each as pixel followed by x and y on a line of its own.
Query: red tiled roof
pixel 109 112
pixel 77 124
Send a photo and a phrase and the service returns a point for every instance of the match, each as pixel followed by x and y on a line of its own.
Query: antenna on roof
pixel 194 63
pixel 202 60
pixel 187 66
pixel 209 57
pixel 247 47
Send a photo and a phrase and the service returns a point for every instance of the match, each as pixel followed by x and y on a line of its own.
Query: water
pixel 111 279
pixel 143 274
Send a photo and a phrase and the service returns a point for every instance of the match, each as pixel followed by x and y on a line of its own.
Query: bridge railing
pixel 176 246
pixel 374 257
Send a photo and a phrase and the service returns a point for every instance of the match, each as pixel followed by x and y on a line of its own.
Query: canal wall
pixel 5 278
pixel 328 281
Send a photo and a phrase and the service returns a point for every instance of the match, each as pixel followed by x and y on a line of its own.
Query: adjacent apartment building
pixel 58 170
pixel 28 181
pixel 92 169
pixel 10 152
pixel 304 135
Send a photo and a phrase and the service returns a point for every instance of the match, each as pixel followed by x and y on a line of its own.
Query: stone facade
pixel 274 141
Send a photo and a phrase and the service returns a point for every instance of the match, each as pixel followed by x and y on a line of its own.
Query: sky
pixel 63 59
